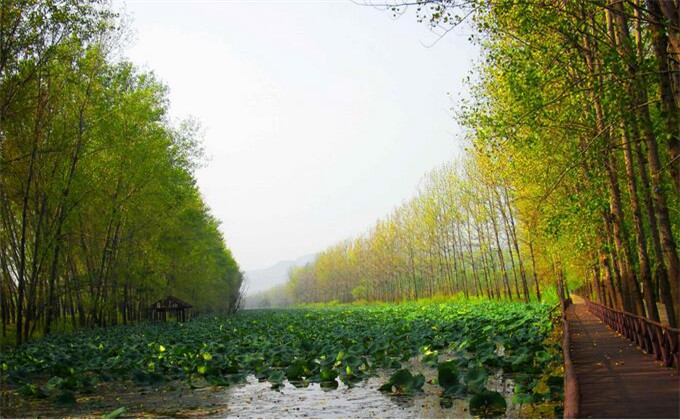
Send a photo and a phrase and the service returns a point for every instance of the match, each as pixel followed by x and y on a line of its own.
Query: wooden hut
pixel 160 310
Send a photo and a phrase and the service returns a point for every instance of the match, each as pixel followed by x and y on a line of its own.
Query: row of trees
pixel 577 110
pixel 100 214
pixel 459 235
pixel 574 133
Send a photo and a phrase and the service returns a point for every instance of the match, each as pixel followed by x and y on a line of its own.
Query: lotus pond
pixel 483 359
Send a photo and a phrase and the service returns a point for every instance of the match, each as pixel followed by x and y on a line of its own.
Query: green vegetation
pixel 467 342
pixel 571 176
pixel 100 214
pixel 459 236
pixel 571 171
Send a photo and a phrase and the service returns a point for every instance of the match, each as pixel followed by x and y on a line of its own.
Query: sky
pixel 318 117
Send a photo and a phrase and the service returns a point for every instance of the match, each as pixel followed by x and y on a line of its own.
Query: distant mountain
pixel 266 278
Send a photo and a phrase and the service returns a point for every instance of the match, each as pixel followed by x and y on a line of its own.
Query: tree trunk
pixel 533 266
pixel 670 105
pixel 639 102
pixel 641 240
pixel 501 259
pixel 659 269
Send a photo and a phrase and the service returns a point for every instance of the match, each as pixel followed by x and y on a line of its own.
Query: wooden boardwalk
pixel 616 379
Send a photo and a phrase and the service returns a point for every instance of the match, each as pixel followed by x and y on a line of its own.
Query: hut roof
pixel 170 302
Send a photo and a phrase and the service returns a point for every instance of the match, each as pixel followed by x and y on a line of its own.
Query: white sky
pixel 319 117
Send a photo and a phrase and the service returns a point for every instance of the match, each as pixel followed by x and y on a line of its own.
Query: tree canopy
pixel 100 213
pixel 572 167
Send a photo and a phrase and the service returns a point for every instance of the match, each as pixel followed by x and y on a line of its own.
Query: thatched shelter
pixel 158 311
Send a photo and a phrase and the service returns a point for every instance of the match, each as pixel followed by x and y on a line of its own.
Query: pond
pixel 256 399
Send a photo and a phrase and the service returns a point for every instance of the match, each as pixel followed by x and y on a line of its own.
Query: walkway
pixel 616 379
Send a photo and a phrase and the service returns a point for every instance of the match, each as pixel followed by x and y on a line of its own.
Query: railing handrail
pixel 572 393
pixel 555 307
pixel 647 320
pixel 662 341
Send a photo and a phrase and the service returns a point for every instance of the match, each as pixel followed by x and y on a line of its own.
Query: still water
pixel 255 399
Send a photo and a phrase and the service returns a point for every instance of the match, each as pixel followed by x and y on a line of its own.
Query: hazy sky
pixel 319 117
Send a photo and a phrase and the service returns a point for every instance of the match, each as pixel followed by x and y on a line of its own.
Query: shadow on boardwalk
pixel 616 379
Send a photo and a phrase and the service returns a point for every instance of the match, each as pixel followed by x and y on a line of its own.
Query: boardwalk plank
pixel 616 379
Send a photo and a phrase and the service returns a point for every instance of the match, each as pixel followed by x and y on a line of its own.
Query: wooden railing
pixel 654 338
pixel 572 394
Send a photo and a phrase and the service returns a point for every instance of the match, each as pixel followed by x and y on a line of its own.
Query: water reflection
pixel 257 399
pixel 332 400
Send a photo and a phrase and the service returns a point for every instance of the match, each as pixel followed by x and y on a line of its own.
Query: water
pixel 255 399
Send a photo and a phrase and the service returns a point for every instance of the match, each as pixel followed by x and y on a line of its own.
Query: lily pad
pixel 276 377
pixel 66 398
pixel 454 391
pixel 402 381
pixel 475 379
pixel 327 375
pixel 296 371
pixel 448 374
pixel 488 404
pixel 30 390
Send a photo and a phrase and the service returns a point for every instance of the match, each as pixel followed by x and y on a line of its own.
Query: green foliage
pixel 583 129
pixel 457 239
pixel 101 212
pixel 488 404
pixel 115 413
pixel 346 343
pixel 475 379
pixel 403 382
pixel 447 374
pixel 66 398
pixel 328 375
pixel 571 172
pixel 30 390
